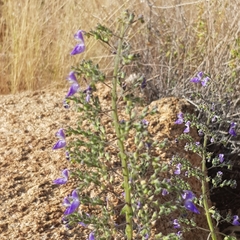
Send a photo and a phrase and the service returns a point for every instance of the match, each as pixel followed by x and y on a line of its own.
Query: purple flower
pixel 235 220
pixel 80 47
pixel 179 234
pixel 176 224
pixel 144 122
pixel 189 205
pixel 219 173
pixel 88 92
pixel 204 81
pixel 64 179
pixel 232 129
pixel 187 129
pixel 199 79
pixel 74 84
pixel 65 104
pixel 178 170
pixel 165 192
pixel 71 202
pixel 214 118
pixel 188 196
pixel 71 77
pixel 221 157
pixel 82 224
pixel 61 142
pixel 180 119
pixel 146 236
pixel 200 133
pixel 65 221
pixel 91 236
pixel 67 155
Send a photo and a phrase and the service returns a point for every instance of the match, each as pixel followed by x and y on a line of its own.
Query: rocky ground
pixel 30 205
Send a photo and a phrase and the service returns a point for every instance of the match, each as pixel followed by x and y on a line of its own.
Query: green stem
pixel 128 208
pixel 205 189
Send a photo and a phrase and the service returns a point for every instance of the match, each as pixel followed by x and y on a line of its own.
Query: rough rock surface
pixel 30 205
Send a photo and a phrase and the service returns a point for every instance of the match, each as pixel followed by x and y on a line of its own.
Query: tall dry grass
pixel 179 37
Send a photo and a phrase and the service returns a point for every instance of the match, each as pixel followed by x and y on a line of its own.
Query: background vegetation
pixel 178 39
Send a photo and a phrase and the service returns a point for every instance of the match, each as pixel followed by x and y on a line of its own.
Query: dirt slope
pixel 30 205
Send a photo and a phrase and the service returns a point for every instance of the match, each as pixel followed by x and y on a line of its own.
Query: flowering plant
pixel 109 166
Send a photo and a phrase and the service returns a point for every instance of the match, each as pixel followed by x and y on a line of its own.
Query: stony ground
pixel 30 205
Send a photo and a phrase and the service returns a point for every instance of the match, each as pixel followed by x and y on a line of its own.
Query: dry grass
pixel 178 38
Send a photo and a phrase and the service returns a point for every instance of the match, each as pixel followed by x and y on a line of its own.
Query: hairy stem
pixel 127 208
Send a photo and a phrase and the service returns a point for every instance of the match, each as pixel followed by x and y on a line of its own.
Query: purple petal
pixel 195 80
pixel 187 129
pixel 200 75
pixel 73 89
pixel 233 125
pixel 176 224
pixel 145 122
pixel 200 132
pixel 232 129
pixel 189 205
pixel 82 224
pixel 180 119
pixel 60 144
pixel 65 104
pixel 75 194
pixel 71 77
pixel 79 36
pixel 79 48
pixel 146 236
pixel 221 157
pixel 88 98
pixel 235 220
pixel 178 170
pixel 205 81
pixel 91 236
pixel 65 173
pixel 60 134
pixel 88 90
pixel 66 202
pixel 165 192
pixel 188 195
pixel 73 207
pixel 232 132
pixel 179 234
pixel 67 155
pixel 60 181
